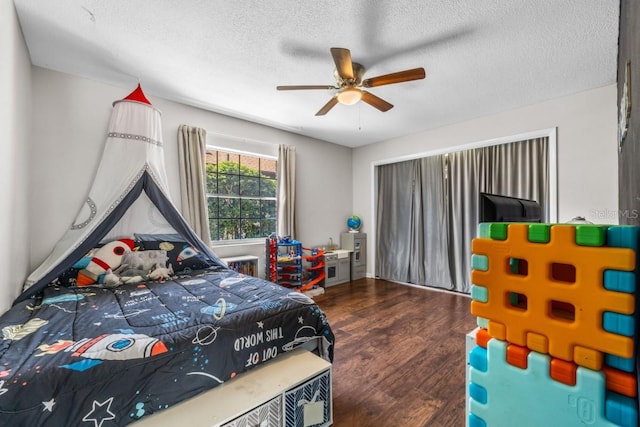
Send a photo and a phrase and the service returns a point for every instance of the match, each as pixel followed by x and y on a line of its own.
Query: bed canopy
pixel 130 193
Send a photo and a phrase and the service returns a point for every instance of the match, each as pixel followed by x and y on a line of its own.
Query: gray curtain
pixel 286 191
pixel 428 209
pixel 467 176
pixel 192 145
pixel 394 218
pixel 411 246
pixel 518 169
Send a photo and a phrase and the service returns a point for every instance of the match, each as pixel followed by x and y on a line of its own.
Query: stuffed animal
pixel 132 275
pixel 111 279
pixel 161 273
pixel 107 257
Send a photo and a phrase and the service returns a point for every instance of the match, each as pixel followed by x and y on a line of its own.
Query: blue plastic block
pixel 480 262
pixel 478 393
pixel 476 422
pixel 624 236
pixel 622 410
pixel 530 398
pixel 617 323
pixel 484 230
pixel 478 359
pixel 620 281
pixel 479 293
pixel 621 363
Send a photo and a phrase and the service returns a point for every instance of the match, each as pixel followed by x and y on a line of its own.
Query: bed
pixel 110 355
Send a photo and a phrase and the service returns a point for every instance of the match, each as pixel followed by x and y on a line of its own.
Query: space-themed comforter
pixel 101 357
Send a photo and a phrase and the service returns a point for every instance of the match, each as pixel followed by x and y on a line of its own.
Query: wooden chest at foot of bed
pixel 293 390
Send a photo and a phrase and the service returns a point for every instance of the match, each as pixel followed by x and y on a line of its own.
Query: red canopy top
pixel 138 95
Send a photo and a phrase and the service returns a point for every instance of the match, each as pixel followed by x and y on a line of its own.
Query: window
pixel 241 195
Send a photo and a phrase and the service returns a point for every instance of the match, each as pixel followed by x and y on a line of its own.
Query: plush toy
pixel 127 274
pixel 111 279
pixel 161 273
pixel 131 275
pixel 107 257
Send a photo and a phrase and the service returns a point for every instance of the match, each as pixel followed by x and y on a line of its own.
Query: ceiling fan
pixel 349 83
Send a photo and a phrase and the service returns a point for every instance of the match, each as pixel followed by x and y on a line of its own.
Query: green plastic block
pixel 539 233
pixel 514 265
pixel 513 298
pixel 498 230
pixel 480 262
pixel 591 235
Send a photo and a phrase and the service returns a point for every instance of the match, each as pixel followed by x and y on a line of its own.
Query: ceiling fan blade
pixel 399 77
pixel 305 87
pixel 328 106
pixel 344 66
pixel 376 101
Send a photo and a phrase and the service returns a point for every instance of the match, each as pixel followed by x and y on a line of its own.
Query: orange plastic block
pixel 563 286
pixel 563 371
pixel 482 337
pixel 621 382
pixel 517 355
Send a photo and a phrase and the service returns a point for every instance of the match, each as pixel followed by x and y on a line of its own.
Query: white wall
pixel 70 121
pixel 587 153
pixel 15 115
pixel 71 114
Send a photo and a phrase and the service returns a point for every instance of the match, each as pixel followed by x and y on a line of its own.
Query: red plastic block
pixel 482 338
pixel 620 381
pixel 517 356
pixel 563 371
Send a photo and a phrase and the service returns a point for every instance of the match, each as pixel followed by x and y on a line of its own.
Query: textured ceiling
pixel 481 57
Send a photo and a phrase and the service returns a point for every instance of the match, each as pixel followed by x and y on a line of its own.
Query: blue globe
pixel 354 222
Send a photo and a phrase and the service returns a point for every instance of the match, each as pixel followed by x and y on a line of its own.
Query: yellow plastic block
pixel 563 293
pixel 497 330
pixel 588 358
pixel 537 342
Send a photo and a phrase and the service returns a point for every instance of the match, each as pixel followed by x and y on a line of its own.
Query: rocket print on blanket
pixel 118 347
pixel 106 347
pixel 107 257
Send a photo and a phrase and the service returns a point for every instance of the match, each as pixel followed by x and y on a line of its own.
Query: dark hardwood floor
pixel 399 354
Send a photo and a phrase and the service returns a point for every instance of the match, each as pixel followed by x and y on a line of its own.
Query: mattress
pixel 102 357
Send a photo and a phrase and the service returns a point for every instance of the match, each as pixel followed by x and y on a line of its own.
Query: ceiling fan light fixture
pixel 349 96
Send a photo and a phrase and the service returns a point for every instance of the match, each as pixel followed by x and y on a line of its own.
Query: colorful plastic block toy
pixel 555 289
pixel 505 395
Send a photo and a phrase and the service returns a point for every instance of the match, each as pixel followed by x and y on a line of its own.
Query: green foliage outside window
pixel 241 199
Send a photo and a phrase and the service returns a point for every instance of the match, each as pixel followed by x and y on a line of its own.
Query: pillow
pixel 183 257
pixel 145 260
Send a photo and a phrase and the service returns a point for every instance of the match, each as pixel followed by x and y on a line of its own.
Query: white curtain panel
pixel 286 192
pixel 192 145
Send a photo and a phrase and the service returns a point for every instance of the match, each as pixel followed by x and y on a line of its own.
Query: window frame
pixel 249 240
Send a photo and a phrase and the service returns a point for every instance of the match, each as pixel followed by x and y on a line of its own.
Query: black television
pixel 499 208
